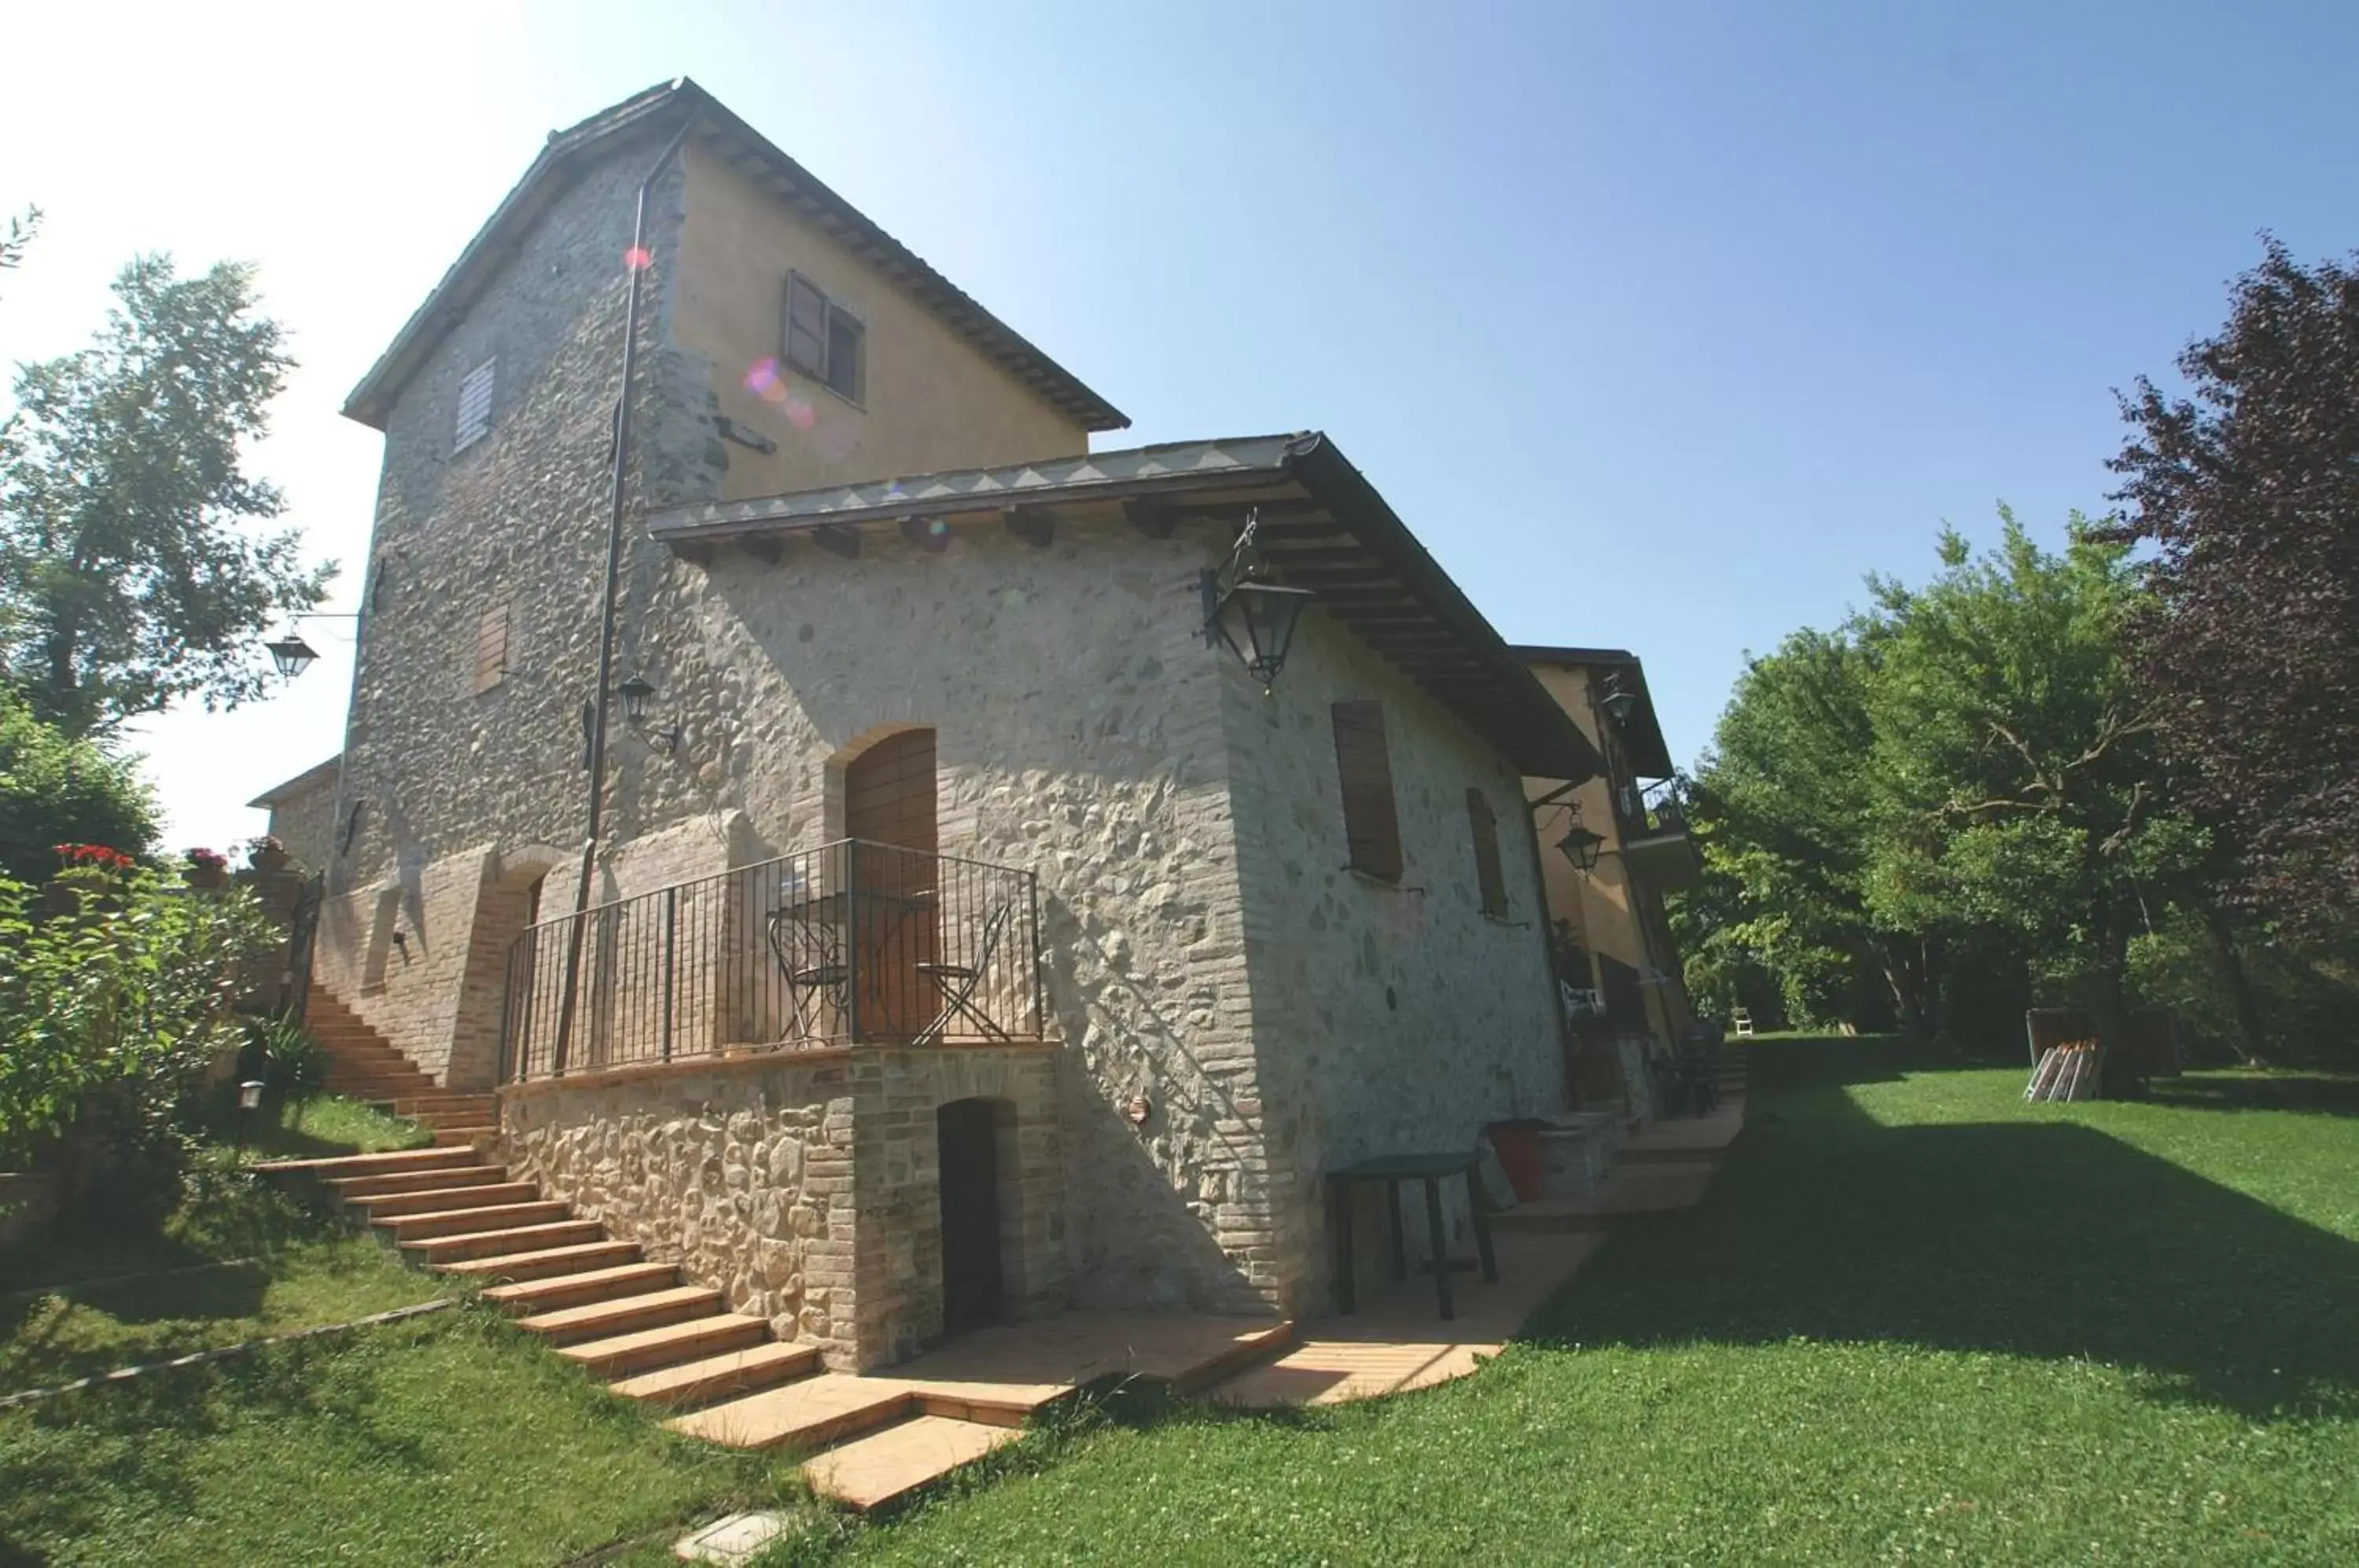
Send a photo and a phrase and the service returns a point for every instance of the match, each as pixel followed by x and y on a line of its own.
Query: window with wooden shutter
pixel 490 662
pixel 1487 875
pixel 824 339
pixel 1371 830
pixel 806 325
pixel 475 420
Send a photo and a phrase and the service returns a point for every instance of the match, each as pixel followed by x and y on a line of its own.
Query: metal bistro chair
pixel 957 982
pixel 810 951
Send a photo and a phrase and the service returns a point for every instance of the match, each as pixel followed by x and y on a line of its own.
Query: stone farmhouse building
pixel 971 933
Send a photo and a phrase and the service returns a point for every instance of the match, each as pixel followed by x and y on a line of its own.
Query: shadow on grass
pixel 2025 1239
pixel 2327 1094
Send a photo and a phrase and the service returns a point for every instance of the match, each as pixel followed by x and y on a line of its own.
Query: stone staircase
pixel 633 1324
pixel 363 1066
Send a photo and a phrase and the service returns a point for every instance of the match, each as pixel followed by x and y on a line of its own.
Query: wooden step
pixel 809 1413
pixel 463 1138
pixel 426 1105
pixel 889 1465
pixel 623 1314
pixel 623 1353
pixel 460 1121
pixel 398 1161
pixel 499 1243
pixel 351 1187
pixel 732 1376
pixel 386 1205
pixel 542 1262
pixel 556 1291
pixel 464 1221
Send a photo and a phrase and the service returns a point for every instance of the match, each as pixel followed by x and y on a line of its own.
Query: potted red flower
pixel 83 870
pixel 206 868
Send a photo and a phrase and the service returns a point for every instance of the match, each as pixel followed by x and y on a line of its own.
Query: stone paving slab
pixel 888 1464
pixel 1650 1187
pixel 1690 1135
pixel 1396 1341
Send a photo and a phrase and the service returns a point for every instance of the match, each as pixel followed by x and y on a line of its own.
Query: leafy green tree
pixel 131 576
pixel 58 791
pixel 19 239
pixel 2016 776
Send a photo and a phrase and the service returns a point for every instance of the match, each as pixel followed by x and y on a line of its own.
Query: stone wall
pixel 400 954
pixel 1389 1017
pixel 304 821
pixel 740 1172
pixel 805 1186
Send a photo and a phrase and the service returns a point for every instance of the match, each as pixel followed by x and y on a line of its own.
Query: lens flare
pixel 762 379
pixel 637 259
pixel 799 413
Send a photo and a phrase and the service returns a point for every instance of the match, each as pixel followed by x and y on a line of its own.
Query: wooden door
pixel 889 800
pixel 969 1138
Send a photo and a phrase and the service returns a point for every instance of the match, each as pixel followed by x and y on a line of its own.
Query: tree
pixel 19 239
pixel 2249 491
pixel 54 791
pixel 130 575
pixel 2016 766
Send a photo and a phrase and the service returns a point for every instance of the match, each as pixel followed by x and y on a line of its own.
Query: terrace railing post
pixel 1032 948
pixel 670 962
pixel 851 918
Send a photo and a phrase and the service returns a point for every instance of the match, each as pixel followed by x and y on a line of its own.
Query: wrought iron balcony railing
pixel 848 944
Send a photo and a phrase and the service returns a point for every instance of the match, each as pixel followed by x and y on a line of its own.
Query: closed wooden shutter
pixel 805 344
pixel 491 652
pixel 1487 875
pixel 1371 830
pixel 475 420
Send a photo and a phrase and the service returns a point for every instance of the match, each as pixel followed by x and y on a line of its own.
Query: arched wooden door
pixel 888 808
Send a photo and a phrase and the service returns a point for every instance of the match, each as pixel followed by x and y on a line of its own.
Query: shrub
pixel 54 791
pixel 113 1013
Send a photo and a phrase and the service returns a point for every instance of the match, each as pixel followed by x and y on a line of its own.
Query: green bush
pixel 291 1065
pixel 110 1014
pixel 55 790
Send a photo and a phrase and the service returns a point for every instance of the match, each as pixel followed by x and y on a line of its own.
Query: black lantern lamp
pixel 291 654
pixel 1582 847
pixel 636 695
pixel 1619 701
pixel 1240 598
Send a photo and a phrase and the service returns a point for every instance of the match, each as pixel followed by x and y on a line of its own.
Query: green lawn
pixel 1918 1322
pixel 329 1125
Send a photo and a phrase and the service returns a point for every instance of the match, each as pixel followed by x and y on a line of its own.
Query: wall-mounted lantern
pixel 1582 847
pixel 1619 702
pixel 1239 599
pixel 291 654
pixel 637 694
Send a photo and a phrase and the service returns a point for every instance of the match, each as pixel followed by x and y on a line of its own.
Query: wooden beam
pixel 837 539
pixel 1150 518
pixel 927 533
pixel 1033 526
pixel 1338 576
pixel 769 548
pixel 1270 512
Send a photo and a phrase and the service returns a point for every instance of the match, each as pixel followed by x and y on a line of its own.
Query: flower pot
pixel 61 898
pixel 269 860
pixel 205 875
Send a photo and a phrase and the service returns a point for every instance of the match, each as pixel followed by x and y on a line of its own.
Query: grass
pixel 1917 1321
pixel 444 1440
pixel 330 1125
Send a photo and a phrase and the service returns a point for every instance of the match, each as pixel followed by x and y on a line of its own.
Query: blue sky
pixel 1661 324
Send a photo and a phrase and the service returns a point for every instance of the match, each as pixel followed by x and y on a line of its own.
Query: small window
pixel 1486 855
pixel 824 339
pixel 1371 830
pixel 491 663
pixel 474 406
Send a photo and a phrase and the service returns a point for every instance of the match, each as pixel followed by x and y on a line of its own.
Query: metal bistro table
pixel 1392 1170
pixel 821 941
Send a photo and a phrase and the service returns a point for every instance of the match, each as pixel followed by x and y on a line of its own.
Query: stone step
pixel 386 1205
pixel 543 1262
pixel 425 1104
pixel 732 1376
pixel 460 1121
pixel 351 1187
pixel 1251 1348
pixel 556 1291
pixel 466 1221
pixel 888 1464
pixel 809 1413
pixel 648 1348
pixel 499 1243
pixel 462 1137
pixel 623 1314
pixel 398 1161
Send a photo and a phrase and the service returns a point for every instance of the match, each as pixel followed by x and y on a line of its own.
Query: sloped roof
pixel 1322 526
pixel 571 153
pixel 1650 753
pixel 303 783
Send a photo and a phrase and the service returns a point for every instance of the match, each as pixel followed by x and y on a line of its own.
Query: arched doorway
pixel 974 1283
pixel 890 812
